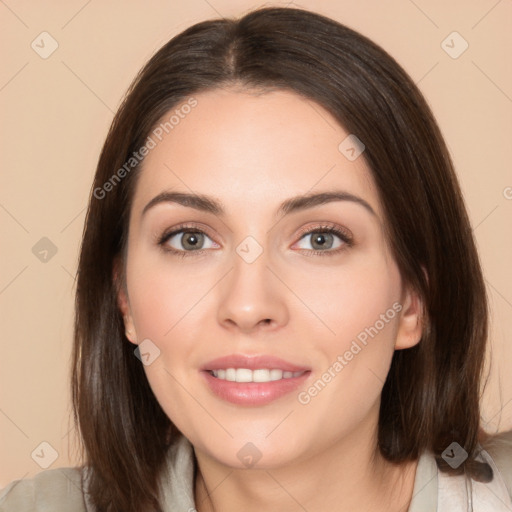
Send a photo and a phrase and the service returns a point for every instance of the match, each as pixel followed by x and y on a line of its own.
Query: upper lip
pixel 252 362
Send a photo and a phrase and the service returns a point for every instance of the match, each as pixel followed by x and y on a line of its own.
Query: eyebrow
pixel 209 204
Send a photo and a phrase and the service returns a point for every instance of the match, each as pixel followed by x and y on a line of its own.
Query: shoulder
pixel 57 490
pixel 499 447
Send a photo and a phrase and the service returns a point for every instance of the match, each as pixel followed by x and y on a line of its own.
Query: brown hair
pixel 431 395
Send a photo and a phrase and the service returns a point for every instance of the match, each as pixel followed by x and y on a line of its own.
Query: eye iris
pixel 191 238
pixel 320 238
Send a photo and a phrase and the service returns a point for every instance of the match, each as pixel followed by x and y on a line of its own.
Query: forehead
pixel 251 150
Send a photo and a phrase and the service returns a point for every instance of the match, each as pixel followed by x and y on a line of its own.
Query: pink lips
pixel 253 393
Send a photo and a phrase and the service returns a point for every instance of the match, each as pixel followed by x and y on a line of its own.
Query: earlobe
pixel 124 305
pixel 130 329
pixel 410 328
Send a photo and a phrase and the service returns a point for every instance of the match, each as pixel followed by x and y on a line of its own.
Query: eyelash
pixel 343 234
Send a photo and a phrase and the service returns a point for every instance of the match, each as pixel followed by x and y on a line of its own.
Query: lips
pixel 255 382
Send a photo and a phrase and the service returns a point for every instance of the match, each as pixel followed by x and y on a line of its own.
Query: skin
pixel 251 152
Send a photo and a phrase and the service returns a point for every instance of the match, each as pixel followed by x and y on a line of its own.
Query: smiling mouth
pixel 259 375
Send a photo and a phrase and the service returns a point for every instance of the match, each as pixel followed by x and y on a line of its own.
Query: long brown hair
pixel 431 395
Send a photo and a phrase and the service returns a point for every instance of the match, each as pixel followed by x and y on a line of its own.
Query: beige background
pixel 56 113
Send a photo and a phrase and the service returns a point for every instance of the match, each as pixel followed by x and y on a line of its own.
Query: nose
pixel 252 297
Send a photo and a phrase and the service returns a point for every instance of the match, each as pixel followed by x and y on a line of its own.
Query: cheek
pixel 346 301
pixel 362 311
pixel 164 302
pixel 163 294
pixel 357 311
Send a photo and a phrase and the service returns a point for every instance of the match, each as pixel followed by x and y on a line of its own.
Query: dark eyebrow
pixel 294 204
pixel 298 203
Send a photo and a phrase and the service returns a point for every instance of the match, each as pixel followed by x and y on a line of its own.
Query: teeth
pixel 275 374
pixel 260 375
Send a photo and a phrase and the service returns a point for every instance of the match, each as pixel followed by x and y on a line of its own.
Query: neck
pixel 350 475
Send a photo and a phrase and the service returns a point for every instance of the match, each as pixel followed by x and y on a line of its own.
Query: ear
pixel 410 327
pixel 123 303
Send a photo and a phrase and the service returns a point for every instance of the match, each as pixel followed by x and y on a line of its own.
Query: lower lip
pixel 253 393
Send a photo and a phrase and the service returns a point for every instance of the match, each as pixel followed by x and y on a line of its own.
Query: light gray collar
pixel 177 478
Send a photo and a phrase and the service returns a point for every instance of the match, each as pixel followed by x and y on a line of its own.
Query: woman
pixel 279 301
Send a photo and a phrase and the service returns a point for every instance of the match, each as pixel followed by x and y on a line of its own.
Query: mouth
pixel 253 380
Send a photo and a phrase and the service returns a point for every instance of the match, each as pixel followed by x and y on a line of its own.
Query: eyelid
pixel 325 226
pixel 167 233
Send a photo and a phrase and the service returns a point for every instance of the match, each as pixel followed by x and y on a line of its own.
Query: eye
pixel 186 239
pixel 190 240
pixel 323 240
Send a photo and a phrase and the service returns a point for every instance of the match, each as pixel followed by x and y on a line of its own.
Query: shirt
pixel 60 490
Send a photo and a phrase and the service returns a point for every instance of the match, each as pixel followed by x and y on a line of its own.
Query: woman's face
pixel 256 281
